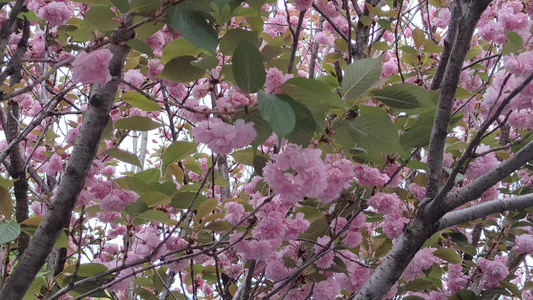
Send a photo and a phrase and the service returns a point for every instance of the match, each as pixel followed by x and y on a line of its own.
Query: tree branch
pixel 73 179
pixel 484 209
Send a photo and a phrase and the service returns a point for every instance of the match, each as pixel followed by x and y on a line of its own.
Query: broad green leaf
pixel 178 151
pixel 229 41
pixel 374 131
pixel 180 69
pixel 139 101
pixel 360 76
pixel 401 96
pixel 248 70
pixel 144 6
pixel 419 134
pixel 384 246
pixel 279 114
pixel 122 5
pixel 153 198
pixel 192 25
pixel 262 128
pixel 132 183
pixel 206 207
pixel 6 204
pixel 314 94
pixel 148 29
pixel 448 255
pixel 207 63
pixel 93 2
pixel 124 156
pixel 245 156
pixel 419 37
pixel 86 270
pixel 144 293
pixel 514 38
pixel 140 46
pixel 317 229
pixel 99 18
pixel 179 47
pixel 156 215
pixel 182 200
pixel 305 129
pixel 136 208
pixel 137 123
pixel 148 175
pixel 8 232
pixel 35 288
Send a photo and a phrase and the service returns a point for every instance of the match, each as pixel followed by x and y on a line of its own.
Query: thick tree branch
pixel 480 185
pixel 484 209
pixel 73 179
pixel 465 30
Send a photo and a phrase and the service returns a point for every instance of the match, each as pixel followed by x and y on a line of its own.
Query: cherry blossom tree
pixel 261 149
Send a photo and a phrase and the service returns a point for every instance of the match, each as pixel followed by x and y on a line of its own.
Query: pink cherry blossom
pixel 524 243
pixel 221 137
pixel 53 166
pixel 92 67
pixel 423 260
pixel 494 271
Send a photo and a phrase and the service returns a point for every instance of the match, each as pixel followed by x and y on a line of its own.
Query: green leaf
pixel 279 114
pixel 136 208
pixel 514 38
pixel 183 200
pixel 153 198
pixel 206 207
pixel 448 255
pixel 8 232
pixel 122 5
pixel 156 215
pixel 317 229
pixel 148 175
pixel 179 47
pixel 86 270
pixel 207 63
pixel 360 76
pixel 99 18
pixel 231 39
pixel 262 128
pixel 192 25
pixel 219 226
pixel 137 123
pixel 6 203
pixel 374 131
pixel 248 69
pixel 180 69
pixel 140 46
pixel 139 101
pixel 401 96
pixel 178 151
pixel 419 134
pixel 124 156
pixel 305 130
pixel 314 94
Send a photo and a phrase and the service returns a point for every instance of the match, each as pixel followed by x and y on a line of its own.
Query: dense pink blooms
pixel 494 271
pixel 302 4
pixel 133 77
pixel 524 243
pixel 369 176
pixel 92 67
pixel 393 225
pixel 276 26
pixel 53 166
pixel 385 203
pixel 326 290
pixel 221 137
pixel 274 79
pixel 56 13
pixel 310 179
pixel 456 278
pixel 423 260
pixel 481 165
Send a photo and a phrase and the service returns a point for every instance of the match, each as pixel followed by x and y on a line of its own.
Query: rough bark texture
pixel 423 225
pixel 73 178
